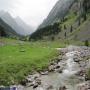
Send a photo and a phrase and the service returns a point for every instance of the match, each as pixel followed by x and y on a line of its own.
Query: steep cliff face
pixel 59 11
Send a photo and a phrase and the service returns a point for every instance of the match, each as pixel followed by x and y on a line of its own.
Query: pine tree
pixel 71 29
pixel 65 34
pixel 86 43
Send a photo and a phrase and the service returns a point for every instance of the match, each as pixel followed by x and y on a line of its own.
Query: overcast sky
pixel 33 12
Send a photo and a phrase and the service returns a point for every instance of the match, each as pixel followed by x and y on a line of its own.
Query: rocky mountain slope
pixel 75 25
pixel 15 23
pixel 27 29
pixel 58 12
pixel 6 30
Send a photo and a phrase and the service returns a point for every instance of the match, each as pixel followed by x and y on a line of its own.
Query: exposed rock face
pixel 58 12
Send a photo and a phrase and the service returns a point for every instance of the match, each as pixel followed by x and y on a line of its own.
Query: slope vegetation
pixel 75 25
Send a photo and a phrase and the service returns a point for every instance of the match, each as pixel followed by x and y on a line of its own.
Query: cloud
pixel 6 5
pixel 32 12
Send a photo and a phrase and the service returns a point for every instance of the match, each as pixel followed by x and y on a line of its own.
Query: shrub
pixel 87 75
pixel 86 43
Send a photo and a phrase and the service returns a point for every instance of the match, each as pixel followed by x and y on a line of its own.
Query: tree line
pixel 46 31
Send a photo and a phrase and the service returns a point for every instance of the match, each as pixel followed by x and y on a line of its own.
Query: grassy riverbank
pixel 18 59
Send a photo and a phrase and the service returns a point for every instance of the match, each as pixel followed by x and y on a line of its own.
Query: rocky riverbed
pixel 67 72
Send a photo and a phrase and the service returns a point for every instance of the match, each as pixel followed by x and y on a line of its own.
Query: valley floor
pixel 18 59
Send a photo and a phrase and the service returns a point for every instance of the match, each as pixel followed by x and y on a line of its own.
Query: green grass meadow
pixel 18 59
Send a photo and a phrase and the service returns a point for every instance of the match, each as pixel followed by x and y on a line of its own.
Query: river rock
pixel 56 66
pixel 37 75
pixel 84 86
pixel 86 77
pixel 38 81
pixel 49 87
pixel 35 85
pixel 44 73
pixel 81 73
pixel 76 60
pixel 60 70
pixel 29 84
pixel 62 88
pixel 31 78
pixel 82 64
pixel 51 68
pixel 51 63
pixel 23 82
pixel 59 65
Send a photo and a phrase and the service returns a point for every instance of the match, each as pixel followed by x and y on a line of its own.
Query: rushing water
pixel 55 80
pixel 72 67
pixel 66 78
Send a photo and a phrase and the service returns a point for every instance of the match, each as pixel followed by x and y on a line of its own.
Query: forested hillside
pixel 74 25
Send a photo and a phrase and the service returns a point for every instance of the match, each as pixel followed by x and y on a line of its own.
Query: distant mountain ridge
pixel 6 30
pixel 17 24
pixel 27 29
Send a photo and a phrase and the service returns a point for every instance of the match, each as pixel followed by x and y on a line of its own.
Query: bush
pixel 86 43
pixel 87 75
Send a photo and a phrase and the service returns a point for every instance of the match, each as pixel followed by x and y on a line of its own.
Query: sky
pixel 33 12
